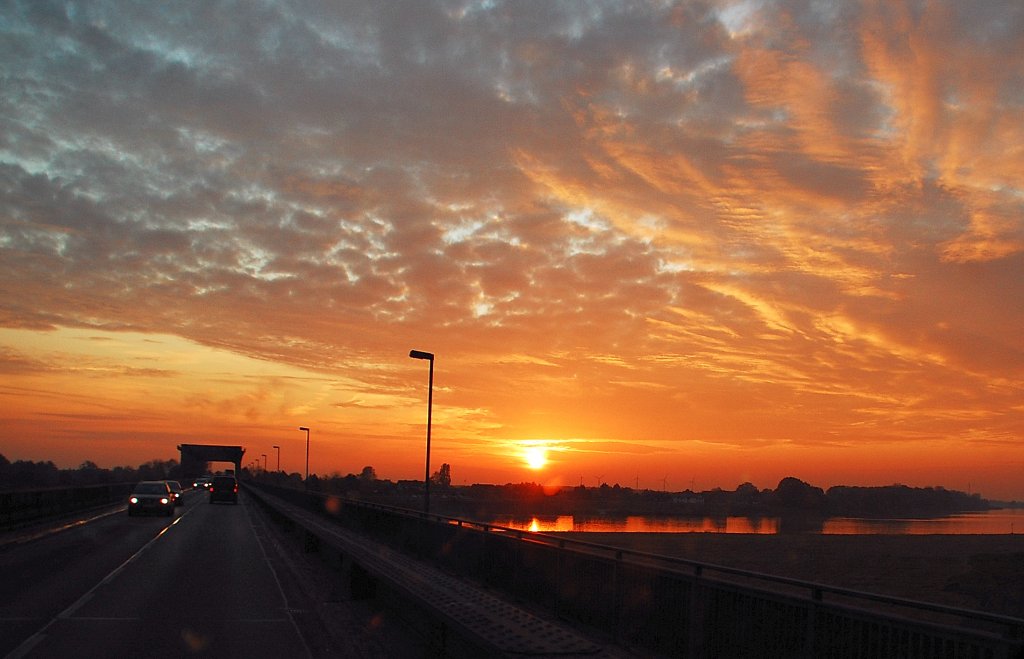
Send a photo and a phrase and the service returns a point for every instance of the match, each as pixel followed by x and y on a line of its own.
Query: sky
pixel 665 245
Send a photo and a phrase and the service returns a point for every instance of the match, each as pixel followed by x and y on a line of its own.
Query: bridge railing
pixel 21 507
pixel 679 607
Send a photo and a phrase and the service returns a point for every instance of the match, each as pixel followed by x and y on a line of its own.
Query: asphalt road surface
pixel 204 582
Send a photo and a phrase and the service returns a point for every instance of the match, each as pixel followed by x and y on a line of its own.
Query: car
pixel 202 482
pixel 176 491
pixel 224 488
pixel 151 497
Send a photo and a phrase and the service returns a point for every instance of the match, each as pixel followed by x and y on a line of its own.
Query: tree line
pixel 365 483
pixel 791 497
pixel 26 474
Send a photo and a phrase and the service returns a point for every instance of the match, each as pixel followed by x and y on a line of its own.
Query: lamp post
pixel 278 456
pixel 307 453
pixel 264 462
pixel 429 356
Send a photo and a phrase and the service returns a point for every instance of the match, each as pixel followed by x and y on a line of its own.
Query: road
pixel 205 582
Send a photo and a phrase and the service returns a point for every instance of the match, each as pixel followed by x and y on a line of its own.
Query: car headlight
pixel 133 500
pixel 164 500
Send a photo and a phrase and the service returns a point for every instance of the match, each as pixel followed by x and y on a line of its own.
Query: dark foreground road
pixel 207 582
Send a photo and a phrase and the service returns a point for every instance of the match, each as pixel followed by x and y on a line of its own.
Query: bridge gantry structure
pixel 194 457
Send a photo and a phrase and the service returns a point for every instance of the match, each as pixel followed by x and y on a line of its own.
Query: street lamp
pixel 278 457
pixel 429 356
pixel 307 453
pixel 264 462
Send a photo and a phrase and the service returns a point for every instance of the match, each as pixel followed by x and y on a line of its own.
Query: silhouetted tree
pixel 443 476
pixel 747 491
pixel 89 473
pixel 795 494
pixel 367 475
pixel 746 499
pixel 157 470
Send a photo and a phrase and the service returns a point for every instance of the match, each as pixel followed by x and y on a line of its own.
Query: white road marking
pixel 34 640
pixel 280 589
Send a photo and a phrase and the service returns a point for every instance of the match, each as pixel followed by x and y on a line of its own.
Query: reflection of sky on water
pixel 993 522
pixel 640 524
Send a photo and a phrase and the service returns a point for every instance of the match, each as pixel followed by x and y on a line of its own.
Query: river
pixel 992 522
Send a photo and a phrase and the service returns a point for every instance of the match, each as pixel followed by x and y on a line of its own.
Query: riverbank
pixel 982 572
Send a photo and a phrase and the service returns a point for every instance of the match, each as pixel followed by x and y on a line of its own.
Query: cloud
pixel 781 201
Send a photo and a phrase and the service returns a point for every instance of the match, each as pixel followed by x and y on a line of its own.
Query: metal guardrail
pixel 680 607
pixel 815 591
pixel 458 617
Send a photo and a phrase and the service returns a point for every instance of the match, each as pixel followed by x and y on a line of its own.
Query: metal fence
pixel 675 607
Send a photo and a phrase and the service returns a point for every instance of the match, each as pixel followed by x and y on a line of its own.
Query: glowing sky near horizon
pixel 653 243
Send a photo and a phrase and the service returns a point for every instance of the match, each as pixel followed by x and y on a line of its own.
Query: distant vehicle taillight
pixel 236 488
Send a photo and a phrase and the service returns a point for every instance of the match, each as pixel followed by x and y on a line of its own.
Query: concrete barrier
pixel 19 508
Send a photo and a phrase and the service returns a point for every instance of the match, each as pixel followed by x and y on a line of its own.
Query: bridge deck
pixel 484 617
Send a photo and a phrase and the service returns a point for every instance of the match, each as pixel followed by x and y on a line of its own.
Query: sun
pixel 535 457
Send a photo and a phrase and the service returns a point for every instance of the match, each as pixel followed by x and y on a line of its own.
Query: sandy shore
pixel 982 572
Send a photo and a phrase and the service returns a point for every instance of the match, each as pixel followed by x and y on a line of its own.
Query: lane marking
pixel 34 640
pixel 70 611
pixel 31 536
pixel 120 568
pixel 104 619
pixel 280 588
pixel 260 621
pixel 27 646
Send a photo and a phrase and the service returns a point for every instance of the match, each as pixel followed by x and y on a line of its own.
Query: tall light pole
pixel 429 356
pixel 307 453
pixel 278 456
pixel 264 462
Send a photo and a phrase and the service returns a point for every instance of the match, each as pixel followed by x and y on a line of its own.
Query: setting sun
pixel 535 457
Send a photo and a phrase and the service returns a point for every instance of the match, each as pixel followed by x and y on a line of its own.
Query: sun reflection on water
pixel 640 524
pixel 996 522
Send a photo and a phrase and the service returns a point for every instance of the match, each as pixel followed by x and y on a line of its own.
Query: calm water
pixel 992 522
